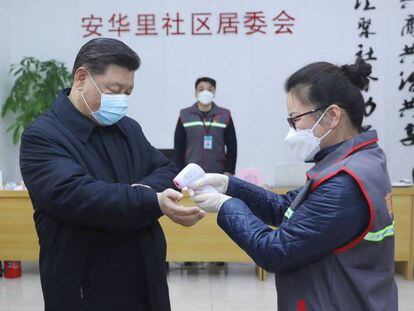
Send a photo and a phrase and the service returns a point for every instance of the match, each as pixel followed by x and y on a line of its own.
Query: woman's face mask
pixel 112 109
pixel 304 143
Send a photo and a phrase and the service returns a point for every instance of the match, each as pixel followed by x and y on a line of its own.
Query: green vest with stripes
pixel 197 127
pixel 358 276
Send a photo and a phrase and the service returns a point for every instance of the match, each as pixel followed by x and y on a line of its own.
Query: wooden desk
pixel 203 242
pixel 403 206
pixel 18 237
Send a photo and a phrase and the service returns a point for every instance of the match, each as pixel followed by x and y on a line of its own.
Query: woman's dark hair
pixel 205 79
pixel 97 54
pixel 322 84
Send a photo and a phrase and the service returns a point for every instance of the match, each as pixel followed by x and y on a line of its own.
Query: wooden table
pixel 204 242
pixel 403 207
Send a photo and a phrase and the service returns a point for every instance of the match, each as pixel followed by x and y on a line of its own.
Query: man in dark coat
pixel 98 188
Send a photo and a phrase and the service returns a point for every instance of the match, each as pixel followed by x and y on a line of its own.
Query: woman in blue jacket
pixel 333 248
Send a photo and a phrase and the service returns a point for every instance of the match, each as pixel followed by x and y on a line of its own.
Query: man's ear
pixel 334 115
pixel 80 77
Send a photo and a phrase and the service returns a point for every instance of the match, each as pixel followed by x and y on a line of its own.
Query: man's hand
pixel 218 181
pixel 185 216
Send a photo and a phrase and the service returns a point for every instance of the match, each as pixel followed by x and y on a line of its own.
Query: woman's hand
pixel 209 202
pixel 218 181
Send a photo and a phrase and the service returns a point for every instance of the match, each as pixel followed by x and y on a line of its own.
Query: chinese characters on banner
pixel 406 84
pixel 366 30
pixel 195 24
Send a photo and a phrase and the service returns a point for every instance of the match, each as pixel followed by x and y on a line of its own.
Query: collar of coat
pixel 213 111
pixel 80 125
pixel 343 150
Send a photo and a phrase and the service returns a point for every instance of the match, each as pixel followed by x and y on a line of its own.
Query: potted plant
pixel 35 88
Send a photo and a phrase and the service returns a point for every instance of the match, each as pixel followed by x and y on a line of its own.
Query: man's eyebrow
pixel 119 85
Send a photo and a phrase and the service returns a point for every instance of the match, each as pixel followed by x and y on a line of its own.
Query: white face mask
pixel 304 143
pixel 205 97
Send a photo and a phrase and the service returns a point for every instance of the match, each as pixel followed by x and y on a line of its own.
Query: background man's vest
pixel 197 127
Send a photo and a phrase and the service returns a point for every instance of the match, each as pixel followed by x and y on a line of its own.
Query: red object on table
pixel 12 269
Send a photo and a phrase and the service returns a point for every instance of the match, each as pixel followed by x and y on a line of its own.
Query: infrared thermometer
pixel 189 175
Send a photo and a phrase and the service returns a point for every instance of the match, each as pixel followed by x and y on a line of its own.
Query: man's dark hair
pixel 205 79
pixel 97 54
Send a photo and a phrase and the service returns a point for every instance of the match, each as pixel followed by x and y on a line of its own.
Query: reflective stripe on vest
pixel 370 236
pixel 381 234
pixel 199 123
pixel 288 213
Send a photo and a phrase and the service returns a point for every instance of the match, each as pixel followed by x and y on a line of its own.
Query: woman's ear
pixel 80 77
pixel 334 115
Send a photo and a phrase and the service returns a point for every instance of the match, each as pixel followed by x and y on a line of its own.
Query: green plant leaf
pixel 17 134
pixel 36 85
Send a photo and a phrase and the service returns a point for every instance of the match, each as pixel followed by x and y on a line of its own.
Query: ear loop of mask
pixel 83 97
pixel 94 83
pixel 86 103
pixel 317 122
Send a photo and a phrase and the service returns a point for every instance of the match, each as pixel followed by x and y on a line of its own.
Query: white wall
pixel 250 70
pixel 8 151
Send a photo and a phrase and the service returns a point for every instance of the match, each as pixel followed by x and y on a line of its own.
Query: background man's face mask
pixel 304 143
pixel 205 97
pixel 113 107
